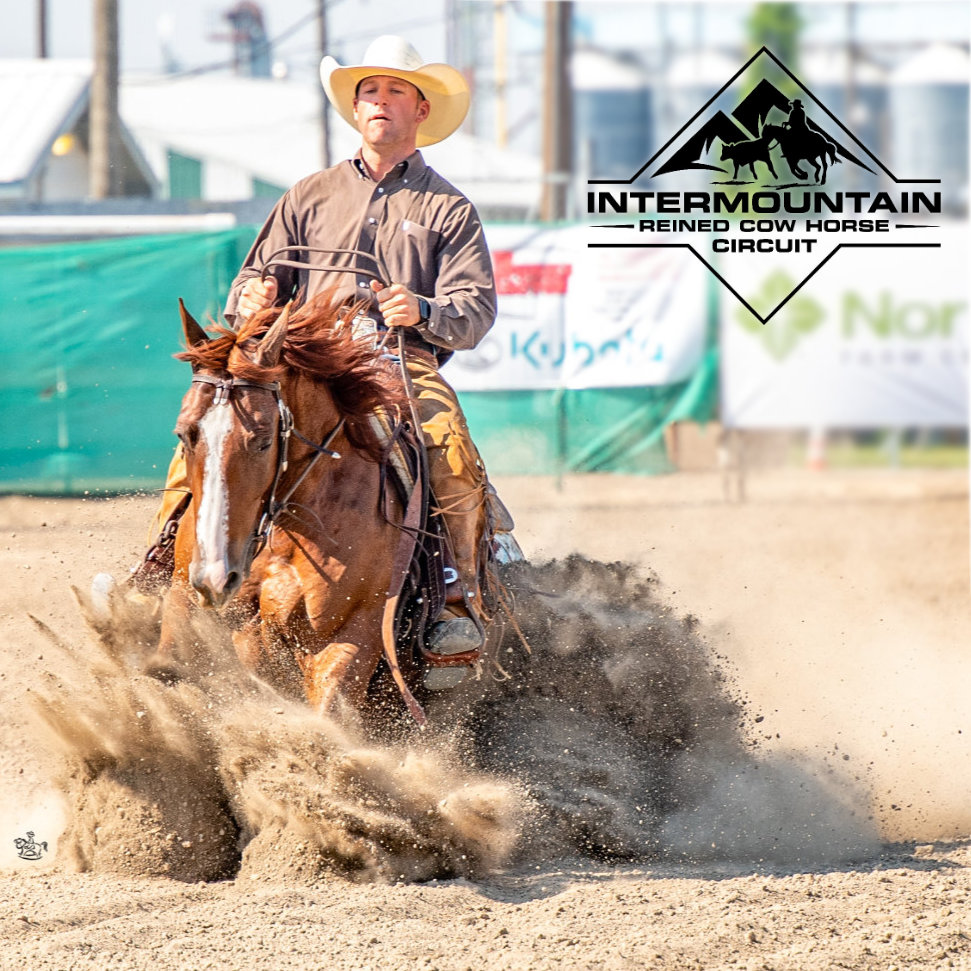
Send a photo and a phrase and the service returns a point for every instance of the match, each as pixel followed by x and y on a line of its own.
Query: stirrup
pixel 453 648
pixel 155 570
pixel 453 641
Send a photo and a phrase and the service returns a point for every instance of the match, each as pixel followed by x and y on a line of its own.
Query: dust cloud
pixel 615 735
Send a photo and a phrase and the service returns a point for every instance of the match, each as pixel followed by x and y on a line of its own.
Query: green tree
pixel 777 26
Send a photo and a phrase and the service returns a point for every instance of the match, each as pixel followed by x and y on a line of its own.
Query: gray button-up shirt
pixel 426 234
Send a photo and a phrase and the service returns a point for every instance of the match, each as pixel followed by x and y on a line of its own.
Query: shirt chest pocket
pixel 418 236
pixel 416 247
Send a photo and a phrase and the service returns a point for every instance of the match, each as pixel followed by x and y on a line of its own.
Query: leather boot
pixel 154 573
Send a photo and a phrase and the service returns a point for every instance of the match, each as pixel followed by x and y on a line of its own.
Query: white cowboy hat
pixel 443 87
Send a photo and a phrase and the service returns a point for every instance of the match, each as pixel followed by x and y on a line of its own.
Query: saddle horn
pixel 268 353
pixel 194 334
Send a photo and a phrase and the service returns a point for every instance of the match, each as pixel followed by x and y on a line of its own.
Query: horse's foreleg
pixel 163 663
pixel 794 168
pixel 343 669
pixel 267 643
pixel 263 651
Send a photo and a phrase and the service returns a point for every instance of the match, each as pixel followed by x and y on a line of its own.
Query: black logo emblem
pixel 756 171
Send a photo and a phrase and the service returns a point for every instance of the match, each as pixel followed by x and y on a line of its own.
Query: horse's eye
pixel 262 444
pixel 188 436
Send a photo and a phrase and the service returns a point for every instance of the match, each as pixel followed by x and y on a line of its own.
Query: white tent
pixel 43 131
pixel 254 131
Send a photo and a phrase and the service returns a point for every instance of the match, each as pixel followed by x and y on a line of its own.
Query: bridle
pixel 272 506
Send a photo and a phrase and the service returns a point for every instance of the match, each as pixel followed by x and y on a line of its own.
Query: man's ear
pixel 424 110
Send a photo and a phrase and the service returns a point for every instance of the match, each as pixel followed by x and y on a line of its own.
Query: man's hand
pixel 398 305
pixel 256 295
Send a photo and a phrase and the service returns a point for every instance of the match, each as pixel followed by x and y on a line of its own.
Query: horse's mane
pixel 320 348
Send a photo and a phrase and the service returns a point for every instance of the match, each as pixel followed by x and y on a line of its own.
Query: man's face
pixel 388 111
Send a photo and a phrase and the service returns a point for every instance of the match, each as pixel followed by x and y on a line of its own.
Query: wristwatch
pixel 424 311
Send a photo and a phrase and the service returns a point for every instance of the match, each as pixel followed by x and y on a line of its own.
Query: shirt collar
pixel 412 166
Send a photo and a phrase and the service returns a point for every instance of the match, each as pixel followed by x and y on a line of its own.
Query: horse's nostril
pixel 232 580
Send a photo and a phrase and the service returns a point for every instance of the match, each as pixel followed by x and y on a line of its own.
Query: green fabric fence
pixel 90 390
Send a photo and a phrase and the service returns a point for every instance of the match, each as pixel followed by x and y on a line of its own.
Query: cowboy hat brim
pixel 444 88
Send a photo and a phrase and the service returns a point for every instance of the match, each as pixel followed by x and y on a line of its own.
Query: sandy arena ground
pixel 842 605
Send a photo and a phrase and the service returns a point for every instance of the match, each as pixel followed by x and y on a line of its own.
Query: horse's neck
pixel 315 412
pixel 343 491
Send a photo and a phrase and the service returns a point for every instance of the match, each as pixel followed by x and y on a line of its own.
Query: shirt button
pixel 372 220
pixel 361 283
pixel 380 190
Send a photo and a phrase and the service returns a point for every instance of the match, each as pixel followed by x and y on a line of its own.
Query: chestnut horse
pixel 290 522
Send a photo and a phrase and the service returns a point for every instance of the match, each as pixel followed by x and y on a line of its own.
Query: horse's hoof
pixel 102 592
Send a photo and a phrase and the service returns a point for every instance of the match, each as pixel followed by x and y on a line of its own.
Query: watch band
pixel 424 311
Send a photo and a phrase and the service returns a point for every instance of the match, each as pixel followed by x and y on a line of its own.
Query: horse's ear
pixel 268 353
pixel 194 334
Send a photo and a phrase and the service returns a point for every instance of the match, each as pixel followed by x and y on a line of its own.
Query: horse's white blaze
pixel 213 516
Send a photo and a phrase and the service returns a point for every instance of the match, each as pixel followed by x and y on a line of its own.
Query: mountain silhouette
pixel 756 105
pixel 687 156
pixel 751 114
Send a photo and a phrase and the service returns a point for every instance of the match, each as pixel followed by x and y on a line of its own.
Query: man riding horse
pixel 800 142
pixel 796 122
pixel 440 293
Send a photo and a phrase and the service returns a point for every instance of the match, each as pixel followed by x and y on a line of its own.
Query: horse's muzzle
pixel 215 583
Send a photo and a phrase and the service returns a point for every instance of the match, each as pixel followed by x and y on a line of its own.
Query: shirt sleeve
pixel 278 231
pixel 463 307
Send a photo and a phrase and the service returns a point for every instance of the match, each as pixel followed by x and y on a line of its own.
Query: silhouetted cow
pixel 748 153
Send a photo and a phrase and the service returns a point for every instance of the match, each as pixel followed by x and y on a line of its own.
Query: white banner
pixel 877 338
pixel 573 317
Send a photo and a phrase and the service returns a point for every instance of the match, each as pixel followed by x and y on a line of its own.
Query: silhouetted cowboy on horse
pixel 796 121
pixel 798 142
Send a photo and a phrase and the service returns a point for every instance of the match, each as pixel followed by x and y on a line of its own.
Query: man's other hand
pixel 398 305
pixel 257 295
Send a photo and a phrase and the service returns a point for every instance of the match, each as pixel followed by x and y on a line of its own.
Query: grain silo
pixel 855 92
pixel 929 121
pixel 613 118
pixel 690 82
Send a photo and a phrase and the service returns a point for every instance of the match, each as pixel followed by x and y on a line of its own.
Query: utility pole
pixel 557 111
pixel 324 115
pixel 41 9
pixel 104 126
pixel 852 56
pixel 501 72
